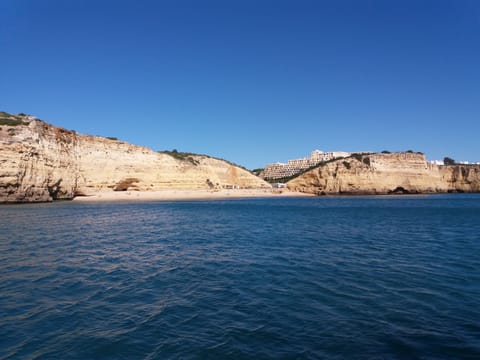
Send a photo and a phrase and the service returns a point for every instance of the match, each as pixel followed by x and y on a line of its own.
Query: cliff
pixel 387 174
pixel 41 162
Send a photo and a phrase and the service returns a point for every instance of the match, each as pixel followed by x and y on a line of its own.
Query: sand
pixel 176 194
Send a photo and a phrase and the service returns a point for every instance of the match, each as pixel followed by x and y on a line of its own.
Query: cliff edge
pixel 392 173
pixel 40 162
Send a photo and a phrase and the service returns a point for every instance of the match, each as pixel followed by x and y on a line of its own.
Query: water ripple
pixel 311 278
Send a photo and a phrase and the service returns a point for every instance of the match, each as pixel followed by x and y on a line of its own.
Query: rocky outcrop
pixel 461 178
pixel 40 162
pixel 396 173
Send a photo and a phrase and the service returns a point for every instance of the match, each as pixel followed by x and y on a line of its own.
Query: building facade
pixel 293 167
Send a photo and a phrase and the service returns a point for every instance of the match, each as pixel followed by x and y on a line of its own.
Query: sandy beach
pixel 179 194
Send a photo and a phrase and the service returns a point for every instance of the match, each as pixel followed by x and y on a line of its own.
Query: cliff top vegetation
pixel 190 157
pixel 11 120
pixel 182 156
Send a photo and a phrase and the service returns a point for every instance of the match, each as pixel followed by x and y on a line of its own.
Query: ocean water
pixel 292 278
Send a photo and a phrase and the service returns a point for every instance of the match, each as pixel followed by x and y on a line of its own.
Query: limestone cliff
pixel 41 162
pixel 387 174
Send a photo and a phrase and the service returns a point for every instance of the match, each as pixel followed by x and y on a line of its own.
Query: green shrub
pixel 182 156
pixel 112 138
pixel 357 157
pixel 10 121
pixel 386 152
pixel 188 156
pixel 347 164
pixel 448 161
pixel 366 160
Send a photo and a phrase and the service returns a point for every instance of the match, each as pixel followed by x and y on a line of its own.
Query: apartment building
pixel 293 167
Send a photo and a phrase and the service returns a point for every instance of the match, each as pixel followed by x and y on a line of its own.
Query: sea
pixel 394 277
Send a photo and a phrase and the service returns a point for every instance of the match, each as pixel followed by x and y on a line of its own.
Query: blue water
pixel 306 278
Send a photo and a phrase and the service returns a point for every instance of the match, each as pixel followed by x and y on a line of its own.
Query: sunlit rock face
pixel 395 173
pixel 41 162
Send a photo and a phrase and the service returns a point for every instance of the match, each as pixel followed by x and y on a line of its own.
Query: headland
pixel 40 162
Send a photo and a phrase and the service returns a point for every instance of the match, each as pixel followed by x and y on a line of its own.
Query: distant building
pixel 325 156
pixel 440 162
pixel 293 167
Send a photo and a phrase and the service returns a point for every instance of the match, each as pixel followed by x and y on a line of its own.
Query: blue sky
pixel 251 81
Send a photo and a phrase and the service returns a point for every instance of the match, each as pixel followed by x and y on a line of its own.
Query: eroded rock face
pixel 396 173
pixel 36 162
pixel 40 162
pixel 461 178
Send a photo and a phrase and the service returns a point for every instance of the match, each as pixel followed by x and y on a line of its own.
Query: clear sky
pixel 251 81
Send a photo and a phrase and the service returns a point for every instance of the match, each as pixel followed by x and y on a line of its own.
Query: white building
pixel 293 167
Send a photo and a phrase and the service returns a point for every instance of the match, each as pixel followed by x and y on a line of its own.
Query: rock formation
pixel 41 162
pixel 387 174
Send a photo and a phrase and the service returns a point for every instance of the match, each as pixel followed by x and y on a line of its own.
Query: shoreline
pixel 207 195
pixel 179 194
